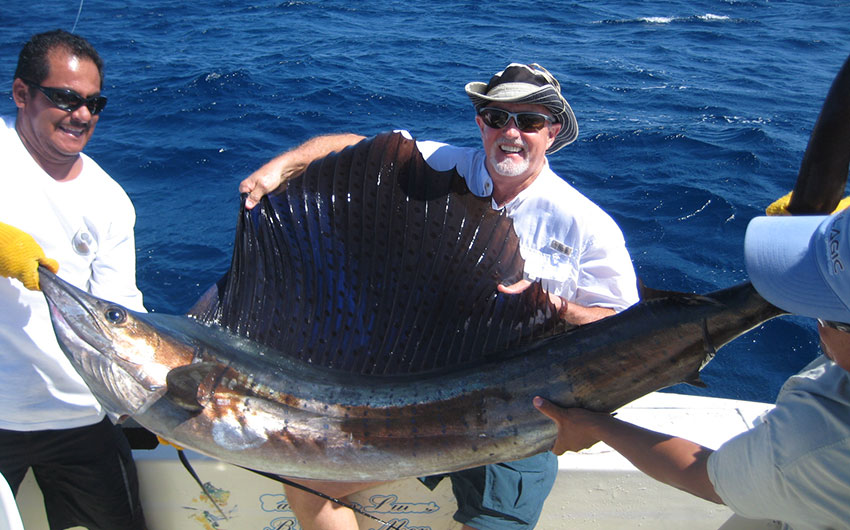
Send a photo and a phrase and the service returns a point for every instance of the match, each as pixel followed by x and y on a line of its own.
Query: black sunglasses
pixel 525 121
pixel 68 100
pixel 840 326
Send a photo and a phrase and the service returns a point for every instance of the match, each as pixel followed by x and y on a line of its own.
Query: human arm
pixel 572 312
pixel 20 257
pixel 290 163
pixel 575 250
pixel 669 459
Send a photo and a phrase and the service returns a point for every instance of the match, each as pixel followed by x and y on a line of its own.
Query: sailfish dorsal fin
pixel 373 262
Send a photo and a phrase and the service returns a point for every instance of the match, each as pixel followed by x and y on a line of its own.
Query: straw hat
pixel 528 83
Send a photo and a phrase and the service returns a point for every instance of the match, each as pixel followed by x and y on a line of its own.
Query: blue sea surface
pixel 693 117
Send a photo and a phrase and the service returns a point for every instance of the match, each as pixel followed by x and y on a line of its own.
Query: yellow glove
pixel 20 257
pixel 163 441
pixel 780 205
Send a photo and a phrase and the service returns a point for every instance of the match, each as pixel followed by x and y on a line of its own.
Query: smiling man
pixel 568 243
pixel 49 420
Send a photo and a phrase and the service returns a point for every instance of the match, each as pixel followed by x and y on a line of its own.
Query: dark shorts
pixel 502 496
pixel 86 474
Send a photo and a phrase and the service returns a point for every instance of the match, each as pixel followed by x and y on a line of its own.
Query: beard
pixel 508 167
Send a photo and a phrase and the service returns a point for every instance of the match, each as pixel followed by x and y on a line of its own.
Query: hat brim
pixel 781 257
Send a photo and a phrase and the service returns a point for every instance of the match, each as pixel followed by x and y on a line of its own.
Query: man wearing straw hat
pixel 568 243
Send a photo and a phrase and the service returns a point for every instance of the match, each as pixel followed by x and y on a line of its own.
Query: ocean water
pixel 693 117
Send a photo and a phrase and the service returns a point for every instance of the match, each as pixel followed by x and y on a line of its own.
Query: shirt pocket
pixel 557 269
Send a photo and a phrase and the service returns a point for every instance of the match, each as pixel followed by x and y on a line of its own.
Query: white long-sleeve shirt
pixel 86 224
pixel 567 241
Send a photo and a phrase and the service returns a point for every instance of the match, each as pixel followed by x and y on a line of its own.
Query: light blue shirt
pixel 794 466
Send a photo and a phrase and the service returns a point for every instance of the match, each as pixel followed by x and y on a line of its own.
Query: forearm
pixel 295 161
pixel 571 312
pixel 292 163
pixel 674 461
pixel 579 314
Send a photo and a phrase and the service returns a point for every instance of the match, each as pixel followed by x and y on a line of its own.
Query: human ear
pixel 20 92
pixel 554 129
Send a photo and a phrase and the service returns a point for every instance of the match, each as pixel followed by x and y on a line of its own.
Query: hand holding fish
pixel 572 312
pixel 262 181
pixel 669 459
pixel 20 257
pixel 575 425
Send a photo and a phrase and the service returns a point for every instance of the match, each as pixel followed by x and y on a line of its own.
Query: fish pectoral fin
pixel 189 406
pixel 170 415
pixel 183 383
pixel 694 380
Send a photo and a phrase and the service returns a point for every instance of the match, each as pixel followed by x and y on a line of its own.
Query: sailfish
pixel 359 335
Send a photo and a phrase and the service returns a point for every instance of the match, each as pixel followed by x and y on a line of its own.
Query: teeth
pixel 511 148
pixel 75 132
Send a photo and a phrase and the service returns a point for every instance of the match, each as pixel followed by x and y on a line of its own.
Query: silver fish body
pixel 209 390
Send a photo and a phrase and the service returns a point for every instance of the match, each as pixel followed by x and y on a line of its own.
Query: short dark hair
pixel 33 64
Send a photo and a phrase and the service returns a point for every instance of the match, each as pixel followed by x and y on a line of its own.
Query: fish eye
pixel 115 314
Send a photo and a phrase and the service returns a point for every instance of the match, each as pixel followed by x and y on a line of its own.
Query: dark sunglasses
pixel 68 100
pixel 840 326
pixel 525 121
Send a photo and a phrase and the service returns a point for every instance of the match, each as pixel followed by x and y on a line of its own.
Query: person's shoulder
pixel 103 182
pixel 434 149
pixel 557 188
pixel 554 189
pixel 468 161
pixel 811 411
pixel 11 147
pixel 94 170
pixel 8 127
pixel 821 378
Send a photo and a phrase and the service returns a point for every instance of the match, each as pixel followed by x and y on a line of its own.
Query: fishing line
pixel 278 478
pixel 185 461
pixel 80 10
pixel 191 470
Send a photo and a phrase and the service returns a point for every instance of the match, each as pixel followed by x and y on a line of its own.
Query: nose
pixel 511 128
pixel 82 114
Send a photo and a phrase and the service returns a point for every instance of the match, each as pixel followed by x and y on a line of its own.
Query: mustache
pixel 80 124
pixel 512 143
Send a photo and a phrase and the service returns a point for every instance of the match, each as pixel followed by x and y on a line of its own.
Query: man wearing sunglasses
pixel 568 243
pixel 49 420
pixel 794 465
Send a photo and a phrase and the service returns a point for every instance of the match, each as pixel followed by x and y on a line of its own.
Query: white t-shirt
pixel 794 466
pixel 86 224
pixel 567 241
